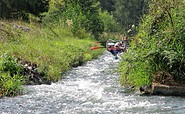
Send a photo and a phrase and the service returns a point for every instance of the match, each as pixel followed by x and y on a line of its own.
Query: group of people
pixel 117 47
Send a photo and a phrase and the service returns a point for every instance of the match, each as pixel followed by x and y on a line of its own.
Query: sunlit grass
pixel 54 49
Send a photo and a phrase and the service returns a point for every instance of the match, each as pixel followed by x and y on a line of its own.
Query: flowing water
pixel 89 89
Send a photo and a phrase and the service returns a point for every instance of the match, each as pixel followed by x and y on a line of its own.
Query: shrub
pixel 158 46
pixel 10 79
pixel 83 16
pixel 9 64
pixel 110 24
pixel 10 85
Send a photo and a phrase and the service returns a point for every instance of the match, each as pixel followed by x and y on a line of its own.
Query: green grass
pixel 54 49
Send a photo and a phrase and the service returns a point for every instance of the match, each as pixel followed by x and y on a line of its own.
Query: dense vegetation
pixel 14 9
pixel 121 14
pixel 55 35
pixel 50 38
pixel 53 51
pixel 157 53
pixel 53 41
pixel 126 12
pixel 129 12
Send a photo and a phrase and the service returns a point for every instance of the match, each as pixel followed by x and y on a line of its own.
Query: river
pixel 89 89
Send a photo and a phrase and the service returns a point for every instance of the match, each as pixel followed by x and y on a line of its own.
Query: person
pixel 118 46
pixel 111 49
pixel 115 47
pixel 124 43
pixel 118 49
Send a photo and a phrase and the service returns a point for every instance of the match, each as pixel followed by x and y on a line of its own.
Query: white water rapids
pixel 89 89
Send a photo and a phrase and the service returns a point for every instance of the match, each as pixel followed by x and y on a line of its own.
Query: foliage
pixel 10 85
pixel 77 15
pixel 21 8
pixel 9 64
pixel 10 79
pixel 158 47
pixel 129 12
pixel 55 50
pixel 110 24
pixel 107 35
pixel 171 45
pixel 107 5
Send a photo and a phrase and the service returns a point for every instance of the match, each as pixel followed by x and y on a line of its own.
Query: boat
pixel 115 47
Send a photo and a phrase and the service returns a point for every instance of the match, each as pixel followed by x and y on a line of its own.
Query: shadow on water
pixel 90 89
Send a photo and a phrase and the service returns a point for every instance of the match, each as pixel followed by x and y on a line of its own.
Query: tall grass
pixel 54 49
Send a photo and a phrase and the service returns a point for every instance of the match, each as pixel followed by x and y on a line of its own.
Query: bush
pixel 110 24
pixel 10 85
pixel 9 64
pixel 10 79
pixel 158 46
pixel 82 15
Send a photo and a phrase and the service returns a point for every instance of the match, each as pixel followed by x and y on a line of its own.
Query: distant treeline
pixel 125 13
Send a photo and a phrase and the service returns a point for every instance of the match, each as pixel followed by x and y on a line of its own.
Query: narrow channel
pixel 89 89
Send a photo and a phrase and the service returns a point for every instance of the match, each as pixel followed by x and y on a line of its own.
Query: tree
pixel 110 24
pixel 21 8
pixel 107 5
pixel 87 14
pixel 129 12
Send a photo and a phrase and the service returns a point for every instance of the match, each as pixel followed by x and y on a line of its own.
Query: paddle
pixel 96 47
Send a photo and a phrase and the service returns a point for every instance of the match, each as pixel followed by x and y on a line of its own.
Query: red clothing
pixel 111 48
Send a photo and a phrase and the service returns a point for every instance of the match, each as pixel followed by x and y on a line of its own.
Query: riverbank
pixel 164 85
pixel 43 53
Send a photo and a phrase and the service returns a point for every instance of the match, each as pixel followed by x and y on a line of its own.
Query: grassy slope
pixel 55 49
